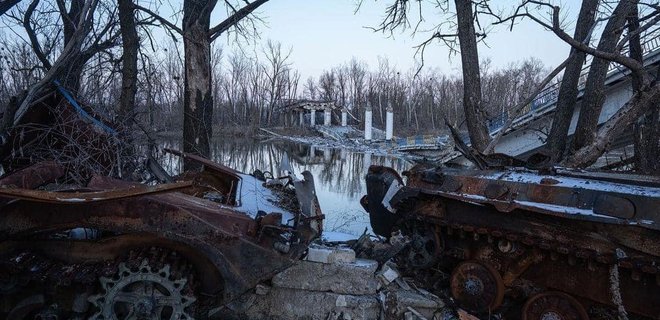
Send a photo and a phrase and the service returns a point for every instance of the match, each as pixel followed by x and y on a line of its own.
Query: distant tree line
pixel 252 90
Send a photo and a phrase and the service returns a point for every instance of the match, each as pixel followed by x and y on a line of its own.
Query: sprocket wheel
pixel 477 286
pixel 142 293
pixel 553 305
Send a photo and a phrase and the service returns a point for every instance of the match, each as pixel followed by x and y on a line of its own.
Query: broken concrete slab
pixel 399 302
pixel 355 278
pixel 323 254
pixel 387 274
pixel 294 304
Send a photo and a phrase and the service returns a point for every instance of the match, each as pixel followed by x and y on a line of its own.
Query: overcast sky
pixel 326 33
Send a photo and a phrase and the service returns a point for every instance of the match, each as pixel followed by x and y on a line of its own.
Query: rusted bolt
pixel 506 246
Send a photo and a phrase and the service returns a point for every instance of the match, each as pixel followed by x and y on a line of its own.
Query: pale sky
pixel 326 33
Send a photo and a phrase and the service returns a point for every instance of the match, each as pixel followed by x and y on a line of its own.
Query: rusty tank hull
pixel 557 244
pixel 119 250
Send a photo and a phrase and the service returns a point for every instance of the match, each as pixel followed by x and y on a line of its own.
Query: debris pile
pixel 331 283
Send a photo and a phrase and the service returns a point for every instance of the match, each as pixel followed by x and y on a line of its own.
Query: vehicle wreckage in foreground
pixel 527 244
pixel 118 250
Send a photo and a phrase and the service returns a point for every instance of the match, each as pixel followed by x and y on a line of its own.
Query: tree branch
pixel 234 19
pixel 159 18
pixel 36 47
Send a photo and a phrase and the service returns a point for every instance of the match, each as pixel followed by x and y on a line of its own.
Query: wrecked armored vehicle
pixel 119 250
pixel 527 244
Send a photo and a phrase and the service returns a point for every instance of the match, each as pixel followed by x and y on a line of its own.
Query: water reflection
pixel 338 173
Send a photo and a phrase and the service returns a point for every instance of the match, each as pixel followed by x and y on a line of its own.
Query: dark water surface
pixel 338 173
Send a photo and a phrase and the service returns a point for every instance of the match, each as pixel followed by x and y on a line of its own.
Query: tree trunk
pixel 198 101
pixel 568 89
pixel 72 70
pixel 130 44
pixel 594 91
pixel 476 119
pixel 647 128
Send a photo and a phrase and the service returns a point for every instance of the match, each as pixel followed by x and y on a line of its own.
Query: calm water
pixel 338 173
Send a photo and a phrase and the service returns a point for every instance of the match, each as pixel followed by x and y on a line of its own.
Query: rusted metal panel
pixel 95 196
pixel 33 176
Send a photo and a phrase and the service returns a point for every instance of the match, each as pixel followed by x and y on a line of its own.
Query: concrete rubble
pixel 332 284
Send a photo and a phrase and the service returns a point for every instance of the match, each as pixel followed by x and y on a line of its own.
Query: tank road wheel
pixel 553 305
pixel 143 293
pixel 425 246
pixel 477 286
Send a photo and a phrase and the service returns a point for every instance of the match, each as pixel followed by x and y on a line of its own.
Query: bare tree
pixel 277 71
pixel 197 36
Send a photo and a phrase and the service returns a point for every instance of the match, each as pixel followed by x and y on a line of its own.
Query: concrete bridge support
pixel 367 124
pixel 327 120
pixel 389 124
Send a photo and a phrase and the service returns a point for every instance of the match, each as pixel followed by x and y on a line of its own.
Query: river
pixel 338 173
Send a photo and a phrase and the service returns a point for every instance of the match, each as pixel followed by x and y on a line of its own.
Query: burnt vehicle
pixel 119 250
pixel 526 244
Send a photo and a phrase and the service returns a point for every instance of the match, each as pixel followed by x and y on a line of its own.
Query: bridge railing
pixel 547 98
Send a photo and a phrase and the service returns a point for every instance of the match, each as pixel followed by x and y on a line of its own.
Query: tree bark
pixel 198 102
pixel 568 89
pixel 647 128
pixel 130 45
pixel 594 92
pixel 475 118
